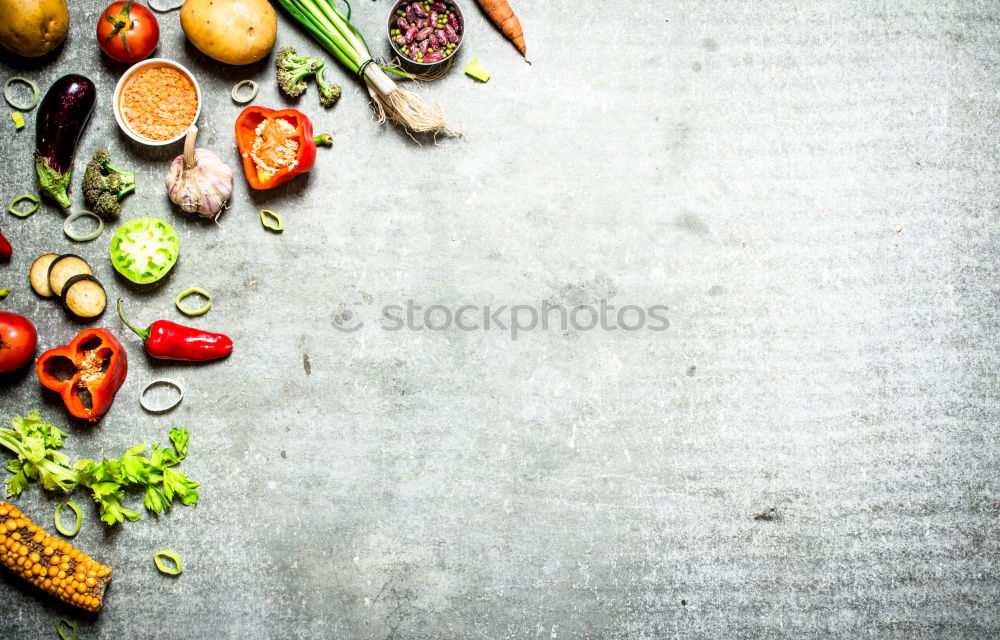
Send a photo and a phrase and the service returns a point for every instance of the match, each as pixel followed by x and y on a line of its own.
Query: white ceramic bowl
pixel 153 62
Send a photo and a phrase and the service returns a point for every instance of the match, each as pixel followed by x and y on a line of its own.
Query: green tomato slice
pixel 145 249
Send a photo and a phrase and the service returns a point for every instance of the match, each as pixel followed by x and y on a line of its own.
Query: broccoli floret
pixel 293 70
pixel 104 185
pixel 107 206
pixel 328 93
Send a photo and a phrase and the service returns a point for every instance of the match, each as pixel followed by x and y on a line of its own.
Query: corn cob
pixel 50 563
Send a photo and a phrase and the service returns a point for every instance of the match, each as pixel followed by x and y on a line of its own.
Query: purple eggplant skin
pixel 61 118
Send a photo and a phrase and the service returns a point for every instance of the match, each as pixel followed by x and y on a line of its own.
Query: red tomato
pixel 17 341
pixel 128 31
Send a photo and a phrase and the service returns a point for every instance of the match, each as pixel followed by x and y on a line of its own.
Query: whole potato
pixel 231 31
pixel 32 28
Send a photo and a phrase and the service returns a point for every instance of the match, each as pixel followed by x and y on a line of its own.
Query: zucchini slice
pixel 84 297
pixel 38 276
pixel 65 267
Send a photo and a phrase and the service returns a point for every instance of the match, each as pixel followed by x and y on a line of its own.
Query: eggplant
pixel 84 297
pixel 38 275
pixel 61 119
pixel 65 267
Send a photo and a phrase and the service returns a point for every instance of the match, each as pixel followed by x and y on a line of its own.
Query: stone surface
pixel 809 449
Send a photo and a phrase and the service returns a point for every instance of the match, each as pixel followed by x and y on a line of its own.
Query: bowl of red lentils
pixel 156 101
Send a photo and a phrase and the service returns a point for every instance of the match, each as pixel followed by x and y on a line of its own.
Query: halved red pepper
pixel 87 372
pixel 275 145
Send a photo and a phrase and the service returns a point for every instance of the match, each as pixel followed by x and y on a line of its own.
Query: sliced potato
pixel 84 297
pixel 65 267
pixel 38 276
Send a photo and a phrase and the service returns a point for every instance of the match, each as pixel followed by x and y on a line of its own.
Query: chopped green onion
pixel 276 225
pixel 12 208
pixel 173 557
pixel 69 533
pixel 244 99
pixel 73 217
pixel 476 70
pixel 18 120
pixel 194 292
pixel 21 106
pixel 165 381
pixel 4 293
pixel 70 625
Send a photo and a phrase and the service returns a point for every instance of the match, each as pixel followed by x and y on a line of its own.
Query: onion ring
pixel 73 217
pixel 254 88
pixel 177 4
pixel 21 107
pixel 168 382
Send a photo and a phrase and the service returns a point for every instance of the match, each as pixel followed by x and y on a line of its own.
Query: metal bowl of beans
pixel 426 33
pixel 156 101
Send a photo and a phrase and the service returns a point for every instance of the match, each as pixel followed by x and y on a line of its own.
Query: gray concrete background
pixel 809 450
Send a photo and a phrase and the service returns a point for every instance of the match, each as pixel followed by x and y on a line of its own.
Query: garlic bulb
pixel 198 180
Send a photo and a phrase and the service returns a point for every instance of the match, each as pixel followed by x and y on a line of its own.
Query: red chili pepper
pixel 87 372
pixel 167 340
pixel 5 249
pixel 275 145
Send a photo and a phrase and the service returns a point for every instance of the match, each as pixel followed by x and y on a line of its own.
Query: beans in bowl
pixel 426 32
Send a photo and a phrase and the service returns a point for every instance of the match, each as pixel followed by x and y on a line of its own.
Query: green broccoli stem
pixel 293 77
pixel 297 61
pixel 329 95
pixel 121 172
pixel 127 178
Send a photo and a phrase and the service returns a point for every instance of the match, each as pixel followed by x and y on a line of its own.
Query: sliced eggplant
pixel 38 276
pixel 65 267
pixel 84 297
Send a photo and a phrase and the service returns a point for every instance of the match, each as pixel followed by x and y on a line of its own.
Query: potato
pixel 34 28
pixel 231 31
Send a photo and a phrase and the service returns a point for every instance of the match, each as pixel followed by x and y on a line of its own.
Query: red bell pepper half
pixel 87 372
pixel 275 145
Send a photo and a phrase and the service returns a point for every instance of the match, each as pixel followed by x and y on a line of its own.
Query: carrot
pixel 501 15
